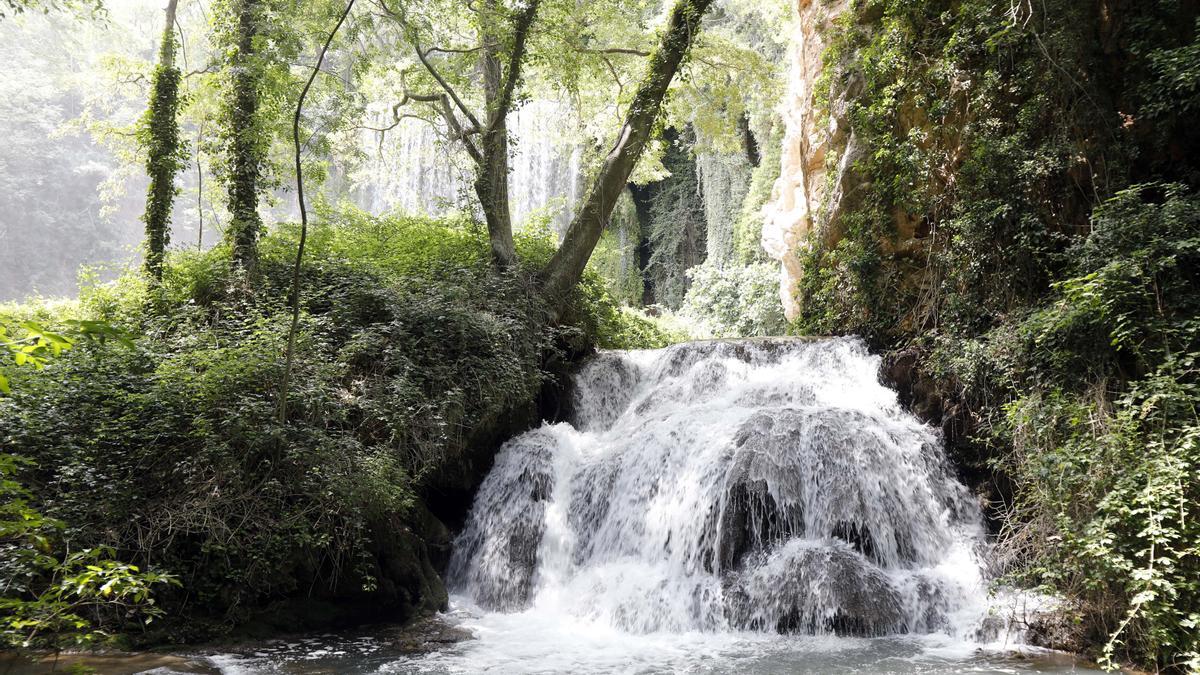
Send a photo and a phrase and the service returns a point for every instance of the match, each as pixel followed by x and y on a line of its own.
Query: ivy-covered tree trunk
pixel 566 267
pixel 161 135
pixel 245 144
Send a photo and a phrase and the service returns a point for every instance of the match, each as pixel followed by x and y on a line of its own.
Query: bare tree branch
pixel 451 50
pixel 459 133
pixel 423 56
pixel 615 50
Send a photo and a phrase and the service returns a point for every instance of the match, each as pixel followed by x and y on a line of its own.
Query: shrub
pixel 169 451
pixel 1100 430
pixel 735 301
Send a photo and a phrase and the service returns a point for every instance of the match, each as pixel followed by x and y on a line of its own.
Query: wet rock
pixel 929 603
pixel 938 402
pixel 754 515
pixel 428 635
pixel 857 535
pixel 813 590
pixel 811 462
pixel 590 505
pixel 604 387
pixel 752 521
pixel 1056 629
pixel 496 556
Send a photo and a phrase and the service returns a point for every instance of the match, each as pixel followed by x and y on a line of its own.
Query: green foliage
pixel 676 228
pixel 47 593
pixel 630 328
pixel 747 229
pixel 736 301
pixel 83 589
pixel 959 168
pixel 1100 427
pixel 31 344
pixel 171 451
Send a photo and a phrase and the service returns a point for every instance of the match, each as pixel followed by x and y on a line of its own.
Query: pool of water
pixel 538 643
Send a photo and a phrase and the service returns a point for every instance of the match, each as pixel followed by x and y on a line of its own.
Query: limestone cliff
pixel 802 200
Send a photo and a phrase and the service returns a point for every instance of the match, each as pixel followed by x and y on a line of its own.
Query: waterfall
pixel 754 506
pixel 412 169
pixel 766 486
pixel 544 165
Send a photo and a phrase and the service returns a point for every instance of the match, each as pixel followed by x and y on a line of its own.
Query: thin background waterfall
pixel 413 170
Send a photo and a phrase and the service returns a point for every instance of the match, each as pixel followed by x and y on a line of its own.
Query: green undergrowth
pixel 166 447
pixel 1022 210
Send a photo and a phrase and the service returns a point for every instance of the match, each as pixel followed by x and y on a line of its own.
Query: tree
pixel 567 38
pixel 566 266
pixel 246 146
pixel 160 134
pixel 500 64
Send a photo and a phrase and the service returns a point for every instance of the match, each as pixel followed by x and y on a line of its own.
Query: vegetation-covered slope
pixel 1021 215
pixel 413 362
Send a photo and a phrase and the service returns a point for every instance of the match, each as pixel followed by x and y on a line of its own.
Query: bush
pixel 735 301
pixel 1100 433
pixel 170 451
pixel 55 597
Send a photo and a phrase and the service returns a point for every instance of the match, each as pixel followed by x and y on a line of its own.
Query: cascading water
pixel 749 506
pixel 769 485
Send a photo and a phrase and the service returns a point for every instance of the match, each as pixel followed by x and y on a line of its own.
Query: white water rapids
pixel 760 485
pixel 761 506
pixel 750 506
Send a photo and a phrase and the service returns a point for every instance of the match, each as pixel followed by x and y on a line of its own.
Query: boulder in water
pixel 815 589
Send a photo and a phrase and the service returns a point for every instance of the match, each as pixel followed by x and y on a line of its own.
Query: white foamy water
pixel 760 506
pixel 756 506
pixel 771 486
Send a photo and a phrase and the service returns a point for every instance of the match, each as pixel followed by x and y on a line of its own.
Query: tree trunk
pixel 245 155
pixel 491 172
pixel 499 83
pixel 162 156
pixel 566 267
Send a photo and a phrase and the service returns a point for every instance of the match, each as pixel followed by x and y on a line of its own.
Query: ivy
pixel 1023 211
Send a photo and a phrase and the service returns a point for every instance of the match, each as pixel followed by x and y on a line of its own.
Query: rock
pixel 605 384
pixel 799 195
pixel 496 555
pixel 752 521
pixel 427 635
pixel 857 535
pixel 1057 629
pixel 815 589
pixel 938 402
